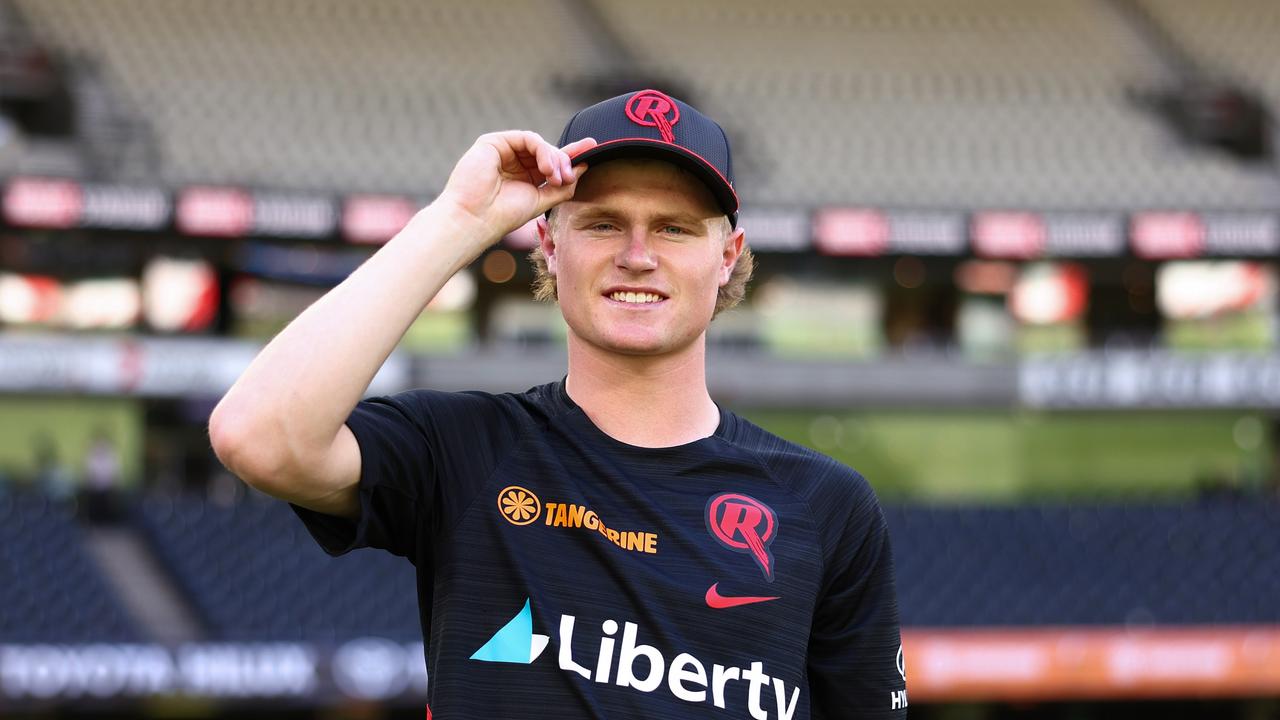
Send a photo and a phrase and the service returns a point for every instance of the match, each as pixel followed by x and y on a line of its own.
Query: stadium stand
pixel 253 574
pixel 1237 38
pixel 1135 566
pixel 937 103
pixel 933 103
pixel 50 589
pixel 370 96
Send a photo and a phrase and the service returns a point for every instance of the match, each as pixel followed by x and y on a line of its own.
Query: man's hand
pixel 508 178
pixel 273 428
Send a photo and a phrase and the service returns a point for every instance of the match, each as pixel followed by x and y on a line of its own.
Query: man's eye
pixel 603 227
pixel 673 230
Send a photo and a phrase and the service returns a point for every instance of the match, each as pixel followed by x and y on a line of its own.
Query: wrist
pixel 464 218
pixel 459 235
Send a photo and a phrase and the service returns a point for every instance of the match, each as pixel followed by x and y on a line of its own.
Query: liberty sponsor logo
pixel 520 506
pixel 686 677
pixel 515 642
pixel 746 525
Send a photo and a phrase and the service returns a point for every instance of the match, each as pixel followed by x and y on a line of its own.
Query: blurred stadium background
pixel 1018 266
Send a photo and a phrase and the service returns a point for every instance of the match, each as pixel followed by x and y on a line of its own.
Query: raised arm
pixel 281 427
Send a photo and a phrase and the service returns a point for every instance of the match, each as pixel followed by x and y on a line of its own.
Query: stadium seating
pixel 1236 38
pixel 50 590
pixel 1211 563
pixel 378 95
pixel 253 573
pixel 930 102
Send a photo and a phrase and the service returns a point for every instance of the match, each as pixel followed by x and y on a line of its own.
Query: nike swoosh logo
pixel 719 602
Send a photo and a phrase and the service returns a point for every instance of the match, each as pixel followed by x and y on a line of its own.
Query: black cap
pixel 654 125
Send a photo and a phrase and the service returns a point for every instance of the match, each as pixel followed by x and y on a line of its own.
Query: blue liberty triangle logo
pixel 515 642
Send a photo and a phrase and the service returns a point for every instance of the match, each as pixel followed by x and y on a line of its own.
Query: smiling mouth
pixel 636 298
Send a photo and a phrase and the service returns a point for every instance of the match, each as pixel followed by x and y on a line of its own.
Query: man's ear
pixel 547 244
pixel 732 250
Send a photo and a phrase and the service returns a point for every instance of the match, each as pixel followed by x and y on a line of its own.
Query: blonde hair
pixel 729 295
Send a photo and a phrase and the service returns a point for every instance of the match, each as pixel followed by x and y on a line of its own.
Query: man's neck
pixel 644 401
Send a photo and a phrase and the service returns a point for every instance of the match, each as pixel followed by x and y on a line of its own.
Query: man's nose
pixel 636 255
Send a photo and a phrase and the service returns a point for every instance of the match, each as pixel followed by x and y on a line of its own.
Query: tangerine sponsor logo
pixel 519 505
pixel 569 515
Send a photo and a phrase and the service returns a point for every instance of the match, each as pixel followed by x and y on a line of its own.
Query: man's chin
pixel 635 347
pixel 639 345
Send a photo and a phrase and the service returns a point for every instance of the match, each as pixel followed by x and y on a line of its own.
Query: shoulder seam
pixel 400 408
pixel 521 438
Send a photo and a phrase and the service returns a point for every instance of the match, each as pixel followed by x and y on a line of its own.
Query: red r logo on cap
pixel 650 108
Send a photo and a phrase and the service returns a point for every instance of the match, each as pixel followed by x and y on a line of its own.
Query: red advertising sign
pixel 851 231
pixel 215 211
pixel 1068 663
pixel 1009 235
pixel 43 203
pixel 1165 235
pixel 375 219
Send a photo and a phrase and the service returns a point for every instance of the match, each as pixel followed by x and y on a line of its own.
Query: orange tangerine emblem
pixel 518 505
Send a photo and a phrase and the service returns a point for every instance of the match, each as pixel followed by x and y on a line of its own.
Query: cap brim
pixel 674 154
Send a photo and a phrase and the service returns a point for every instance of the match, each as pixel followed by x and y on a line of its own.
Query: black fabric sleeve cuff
pixel 334 534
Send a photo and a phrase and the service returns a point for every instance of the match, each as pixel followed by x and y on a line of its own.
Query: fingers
pixel 549 196
pixel 553 163
pixel 525 154
pixel 574 149
pixel 527 151
pixel 547 156
pixel 579 146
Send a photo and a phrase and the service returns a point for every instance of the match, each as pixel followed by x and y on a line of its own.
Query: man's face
pixel 639 255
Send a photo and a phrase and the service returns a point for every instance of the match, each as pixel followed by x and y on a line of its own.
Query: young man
pixel 613 545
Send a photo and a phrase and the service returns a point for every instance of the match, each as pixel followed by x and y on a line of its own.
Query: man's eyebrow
pixel 681 218
pixel 596 213
pixel 608 213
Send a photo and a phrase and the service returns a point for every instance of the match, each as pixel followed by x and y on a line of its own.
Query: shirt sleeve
pixel 855 663
pixel 424 455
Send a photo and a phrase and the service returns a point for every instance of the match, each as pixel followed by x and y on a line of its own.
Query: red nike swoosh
pixel 718 601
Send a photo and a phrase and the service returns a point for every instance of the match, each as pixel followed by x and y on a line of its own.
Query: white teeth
pixel 634 297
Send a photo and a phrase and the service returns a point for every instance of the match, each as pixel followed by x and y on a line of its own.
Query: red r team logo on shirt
pixel 744 524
